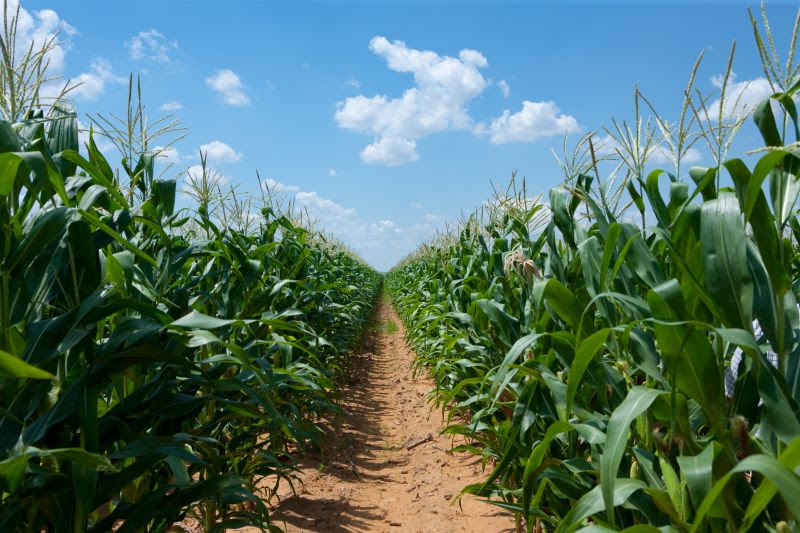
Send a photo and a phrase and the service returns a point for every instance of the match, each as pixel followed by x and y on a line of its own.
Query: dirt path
pixel 369 481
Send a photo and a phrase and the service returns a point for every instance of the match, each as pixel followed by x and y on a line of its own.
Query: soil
pixel 368 479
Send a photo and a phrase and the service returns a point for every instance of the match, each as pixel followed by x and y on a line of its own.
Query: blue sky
pixel 385 119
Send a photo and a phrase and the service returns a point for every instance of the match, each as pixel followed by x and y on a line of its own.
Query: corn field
pixel 155 364
pixel 622 355
pixel 613 374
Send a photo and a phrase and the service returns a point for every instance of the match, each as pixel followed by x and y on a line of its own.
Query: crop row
pixel 156 364
pixel 612 374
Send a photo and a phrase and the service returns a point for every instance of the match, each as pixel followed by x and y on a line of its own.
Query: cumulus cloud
pixel 741 97
pixel 168 154
pixel 382 242
pixel 390 151
pixel 46 26
pixel 332 172
pixel 661 156
pixel 151 45
pixel 326 209
pixel 219 151
pixel 171 106
pixel 92 84
pixel 41 27
pixel 227 83
pixel 276 186
pixel 438 101
pixel 534 121
pixel 504 88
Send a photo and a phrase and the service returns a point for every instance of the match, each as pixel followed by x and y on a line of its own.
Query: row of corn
pixel 626 365
pixel 156 365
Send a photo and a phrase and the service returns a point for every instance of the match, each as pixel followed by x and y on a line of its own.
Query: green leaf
pixel 610 245
pixel 9 166
pixel 535 459
pixel 635 403
pixel 45 172
pixel 789 458
pixel 587 350
pixel 11 365
pixel 9 141
pixel 566 306
pixel 786 481
pixel 561 215
pixel 95 221
pixel 12 472
pixel 724 246
pixel 765 120
pixel 672 483
pixel 784 187
pixel 62 134
pixel 78 456
pixel 594 502
pixel 697 469
pixel 688 356
pixel 198 320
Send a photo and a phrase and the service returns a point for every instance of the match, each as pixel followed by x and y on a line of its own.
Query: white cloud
pixel 534 121
pixel 40 27
pixel 382 242
pixel 438 101
pixel 390 151
pixel 171 106
pixel 353 82
pixel 415 205
pixel 169 154
pixel 332 172
pixel 741 97
pixel 227 83
pixel 661 156
pixel 384 227
pixel 605 145
pixel 219 151
pixel 430 217
pixel 92 84
pixel 326 209
pixel 195 172
pixel 504 88
pixel 276 186
pixel 45 26
pixel 151 45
